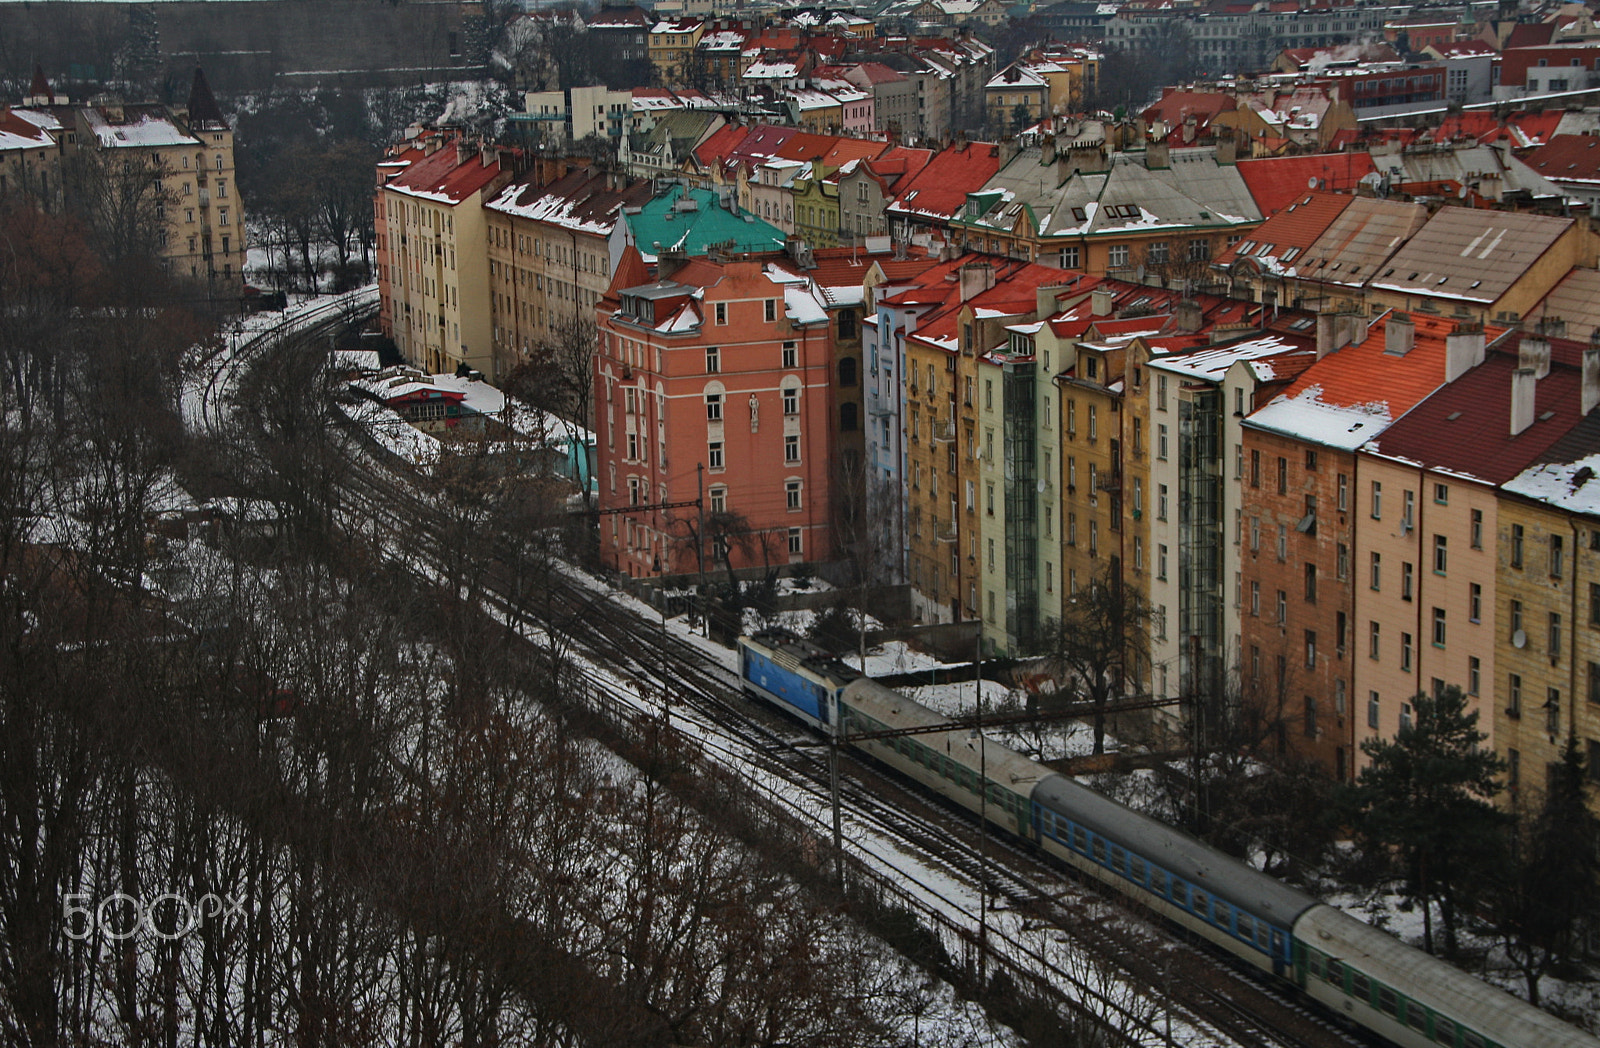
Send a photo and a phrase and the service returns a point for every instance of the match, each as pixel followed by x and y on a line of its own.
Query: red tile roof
pixel 1366 379
pixel 1531 34
pixel 1568 156
pixel 1465 427
pixel 1299 224
pixel 940 189
pixel 1277 182
pixel 1175 106
pixel 444 174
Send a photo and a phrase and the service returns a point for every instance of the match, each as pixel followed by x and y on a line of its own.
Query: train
pixel 1401 994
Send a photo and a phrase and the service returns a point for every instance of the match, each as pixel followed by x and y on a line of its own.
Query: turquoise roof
pixel 668 222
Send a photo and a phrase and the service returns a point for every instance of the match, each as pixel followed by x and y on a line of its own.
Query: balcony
pixel 944 432
pixel 944 530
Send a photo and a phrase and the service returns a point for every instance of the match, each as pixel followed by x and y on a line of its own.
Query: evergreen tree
pixel 1422 806
pixel 1548 893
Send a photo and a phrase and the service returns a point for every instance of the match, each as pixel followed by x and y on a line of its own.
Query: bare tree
pixel 1099 644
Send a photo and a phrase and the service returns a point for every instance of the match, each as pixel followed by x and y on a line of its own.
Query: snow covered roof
pixel 143 128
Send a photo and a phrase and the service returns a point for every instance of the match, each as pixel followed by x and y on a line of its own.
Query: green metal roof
pixel 694 219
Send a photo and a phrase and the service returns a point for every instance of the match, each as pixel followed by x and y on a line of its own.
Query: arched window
pixel 847 372
pixel 847 418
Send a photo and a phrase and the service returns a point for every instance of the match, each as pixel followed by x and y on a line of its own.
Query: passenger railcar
pixel 1239 908
pixel 1402 994
pixel 948 762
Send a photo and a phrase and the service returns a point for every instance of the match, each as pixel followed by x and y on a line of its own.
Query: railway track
pixel 1030 894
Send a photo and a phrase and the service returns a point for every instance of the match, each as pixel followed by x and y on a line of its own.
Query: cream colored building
pixel 433 253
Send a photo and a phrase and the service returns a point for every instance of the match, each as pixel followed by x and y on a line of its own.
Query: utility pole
pixel 835 739
pixel 700 538
pixel 983 814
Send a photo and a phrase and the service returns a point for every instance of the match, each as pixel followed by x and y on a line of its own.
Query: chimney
pixel 1591 373
pixel 1187 317
pixel 1399 335
pixel 1328 328
pixel 1463 350
pixel 1524 385
pixel 1533 352
pixel 1227 149
pixel 976 278
pixel 1157 155
pixel 1100 300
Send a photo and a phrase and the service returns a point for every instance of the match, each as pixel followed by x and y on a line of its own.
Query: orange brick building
pixel 712 383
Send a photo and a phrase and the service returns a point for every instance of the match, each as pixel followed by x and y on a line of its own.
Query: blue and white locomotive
pixel 1402 994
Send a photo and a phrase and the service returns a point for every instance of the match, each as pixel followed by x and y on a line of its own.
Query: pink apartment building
pixel 712 383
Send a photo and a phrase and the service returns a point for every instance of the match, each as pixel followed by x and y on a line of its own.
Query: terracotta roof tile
pixel 1277 182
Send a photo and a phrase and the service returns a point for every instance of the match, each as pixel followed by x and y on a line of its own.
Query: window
pixel 988 497
pixel 719 500
pixel 770 310
pixel 713 360
pixel 1342 562
pixel 847 372
pixel 714 455
pixel 1094 427
pixel 1161 502
pixel 1283 542
pixel 1374 709
pixel 1161 561
pixel 796 542
pixel 1405 652
pixel 1283 475
pixel 791 401
pixel 1311 583
pixel 1283 607
pixel 791 494
pixel 1441 494
pixel 1516 620
pixel 1344 493
pixel 1161 392
pixel 1408 510
pixel 1255 534
pixel 1594 603
pixel 1311 649
pixel 791 358
pixel 1514 695
pixel 848 417
pixel 1406 580
pixel 1438 627
pixel 1372 640
pixel 1161 442
pixel 1440 558
pixel 1594 682
pixel 1552 710
pixel 714 407
pixel 1255 468
pixel 1199 250
pixel 1377 501
pixel 1118 256
pixel 1477 529
pixel 1516 545
pixel 1555 638
pixel 1557 557
pixel 1255 597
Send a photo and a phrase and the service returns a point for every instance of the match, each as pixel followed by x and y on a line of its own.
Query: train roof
pixel 1176 851
pixel 1469 1001
pixel 803 653
pixel 893 709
